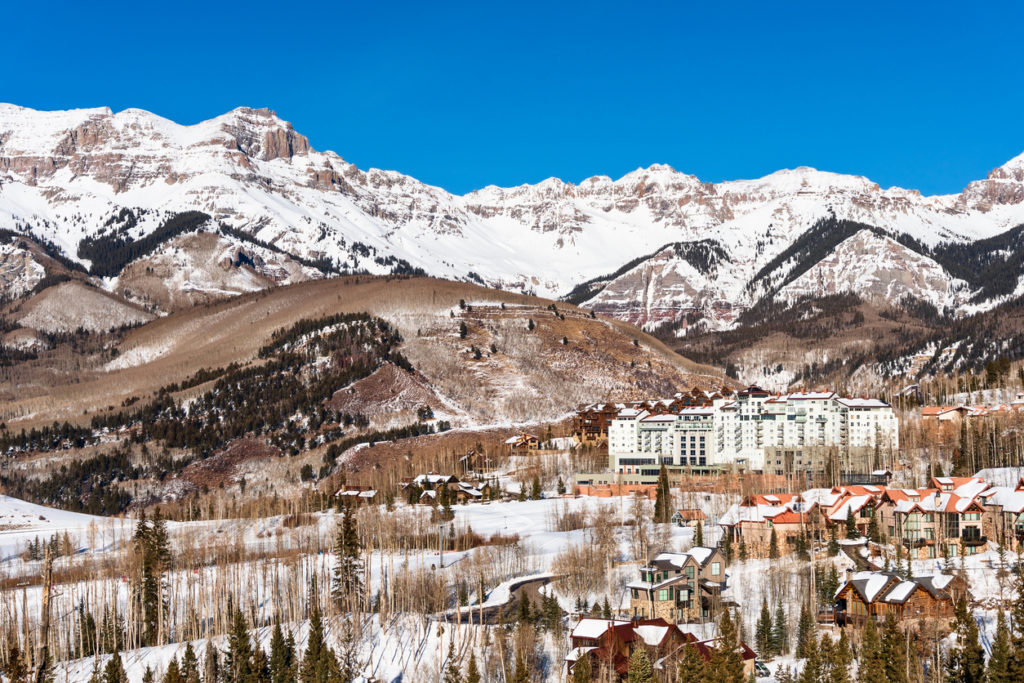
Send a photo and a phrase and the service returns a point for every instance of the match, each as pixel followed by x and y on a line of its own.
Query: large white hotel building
pixel 756 431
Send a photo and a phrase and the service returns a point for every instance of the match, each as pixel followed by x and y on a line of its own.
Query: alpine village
pixel 271 416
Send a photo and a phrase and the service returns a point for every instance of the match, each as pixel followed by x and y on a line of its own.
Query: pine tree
pixel 763 632
pixel 773 546
pixel 894 653
pixel 726 664
pixel 833 542
pixel 966 663
pixel 1015 665
pixel 260 666
pixel 640 669
pixel 581 671
pixel 851 525
pixel 870 665
pixel 472 672
pixel 842 660
pixel 606 609
pixel 535 488
pixel 280 657
pixel 348 571
pixel 999 661
pixel 452 674
pixel 16 669
pixel 190 665
pixel 114 671
pixel 873 534
pixel 238 664
pixel 691 666
pixel 173 674
pixel 804 631
pixel 318 664
pixel 211 664
pixel 780 634
pixel 520 673
pixel 699 535
pixel 812 671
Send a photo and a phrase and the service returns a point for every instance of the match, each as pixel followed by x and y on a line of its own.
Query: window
pixel 636 594
pixel 663 594
pixel 689 571
pixel 716 568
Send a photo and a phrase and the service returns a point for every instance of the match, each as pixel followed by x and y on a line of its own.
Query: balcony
pixel 972 540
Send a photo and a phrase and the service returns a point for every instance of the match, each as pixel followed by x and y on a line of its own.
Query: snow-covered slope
pixel 66 176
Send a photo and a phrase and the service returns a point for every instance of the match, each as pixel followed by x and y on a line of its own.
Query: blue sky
pixel 461 95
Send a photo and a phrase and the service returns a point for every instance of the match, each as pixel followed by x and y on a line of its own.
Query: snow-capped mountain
pixel 651 246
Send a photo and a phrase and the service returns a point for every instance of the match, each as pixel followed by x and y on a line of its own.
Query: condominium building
pixel 754 430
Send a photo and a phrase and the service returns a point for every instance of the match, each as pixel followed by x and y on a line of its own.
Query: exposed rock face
pixel 64 175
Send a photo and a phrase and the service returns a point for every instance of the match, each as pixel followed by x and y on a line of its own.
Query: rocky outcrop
pixel 70 173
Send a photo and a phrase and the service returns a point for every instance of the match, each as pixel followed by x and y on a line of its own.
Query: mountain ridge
pixel 66 177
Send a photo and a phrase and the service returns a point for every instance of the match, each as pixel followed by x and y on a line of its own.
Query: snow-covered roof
pixel 592 629
pixel 1006 497
pixel 862 403
pixel 901 591
pixel 577 652
pixel 651 634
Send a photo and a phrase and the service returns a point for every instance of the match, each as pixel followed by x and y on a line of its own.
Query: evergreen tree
pixel 114 671
pixel 873 534
pixel 780 634
pixel 813 669
pixel 606 609
pixel 281 657
pixel 691 666
pixel 851 525
pixel 16 669
pixel 894 652
pixel 260 666
pixel 870 665
pixel 999 661
pixel 743 550
pixel 318 664
pixel 699 535
pixel 535 488
pixel 966 662
pixel 833 542
pixel 804 631
pixel 640 669
pixel 348 571
pixel 238 664
pixel 763 632
pixel 173 674
pixel 190 665
pixel 452 674
pixel 581 671
pixel 773 546
pixel 842 660
pixel 727 546
pixel 1015 665
pixel 211 664
pixel 726 663
pixel 520 674
pixel 472 672
pixel 148 676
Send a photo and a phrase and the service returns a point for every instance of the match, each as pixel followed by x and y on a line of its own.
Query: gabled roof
pixel 890 588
